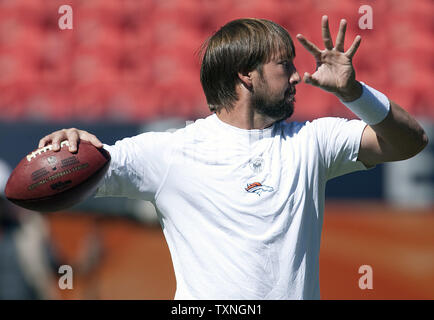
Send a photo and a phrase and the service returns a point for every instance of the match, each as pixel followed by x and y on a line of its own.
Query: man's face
pixel 274 89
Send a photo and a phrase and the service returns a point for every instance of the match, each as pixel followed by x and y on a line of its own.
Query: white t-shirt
pixel 241 210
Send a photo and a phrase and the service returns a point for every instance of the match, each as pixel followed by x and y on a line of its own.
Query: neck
pixel 243 116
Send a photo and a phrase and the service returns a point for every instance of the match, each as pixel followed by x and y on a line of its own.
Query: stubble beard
pixel 276 109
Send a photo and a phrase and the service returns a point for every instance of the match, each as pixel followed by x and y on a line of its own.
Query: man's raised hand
pixel 334 69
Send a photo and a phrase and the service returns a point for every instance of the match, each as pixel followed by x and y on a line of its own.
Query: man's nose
pixel 295 78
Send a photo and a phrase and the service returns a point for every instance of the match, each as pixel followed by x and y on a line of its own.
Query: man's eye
pixel 289 66
pixel 286 65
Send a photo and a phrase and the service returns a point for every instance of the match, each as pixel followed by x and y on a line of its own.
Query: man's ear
pixel 246 79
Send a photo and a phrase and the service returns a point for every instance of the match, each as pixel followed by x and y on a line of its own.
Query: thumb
pixel 308 78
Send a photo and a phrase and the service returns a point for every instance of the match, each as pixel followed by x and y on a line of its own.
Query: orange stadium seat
pixel 147 103
pixel 128 103
pixel 11 101
pixel 88 101
pixel 188 13
pixel 47 102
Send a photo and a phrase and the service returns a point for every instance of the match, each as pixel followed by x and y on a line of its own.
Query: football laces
pixel 38 152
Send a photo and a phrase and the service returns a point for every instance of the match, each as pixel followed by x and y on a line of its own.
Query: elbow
pixel 423 141
pixel 420 144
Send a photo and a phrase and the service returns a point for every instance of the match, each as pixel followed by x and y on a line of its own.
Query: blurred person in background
pixel 28 262
pixel 241 193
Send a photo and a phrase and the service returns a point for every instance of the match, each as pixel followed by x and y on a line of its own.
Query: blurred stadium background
pixel 131 66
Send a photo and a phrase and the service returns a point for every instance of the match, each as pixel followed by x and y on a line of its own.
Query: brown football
pixel 51 181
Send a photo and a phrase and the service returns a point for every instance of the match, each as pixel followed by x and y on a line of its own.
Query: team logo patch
pixel 258 188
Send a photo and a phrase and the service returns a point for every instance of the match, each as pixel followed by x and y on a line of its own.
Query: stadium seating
pixel 141 56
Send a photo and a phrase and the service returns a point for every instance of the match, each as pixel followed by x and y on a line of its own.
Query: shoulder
pixel 320 124
pixel 195 131
pixel 164 139
pixel 144 140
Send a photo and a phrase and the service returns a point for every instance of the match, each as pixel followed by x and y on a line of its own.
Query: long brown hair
pixel 241 45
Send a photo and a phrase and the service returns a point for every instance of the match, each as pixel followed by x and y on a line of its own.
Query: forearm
pixel 392 135
pixel 400 133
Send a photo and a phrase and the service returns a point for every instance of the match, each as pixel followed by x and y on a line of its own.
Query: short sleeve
pixel 339 142
pixel 138 165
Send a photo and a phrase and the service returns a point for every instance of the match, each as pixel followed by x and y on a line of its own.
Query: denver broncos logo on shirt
pixel 258 188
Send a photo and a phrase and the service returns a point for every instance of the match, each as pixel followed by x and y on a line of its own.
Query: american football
pixel 46 180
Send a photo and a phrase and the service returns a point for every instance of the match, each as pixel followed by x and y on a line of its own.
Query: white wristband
pixel 372 106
